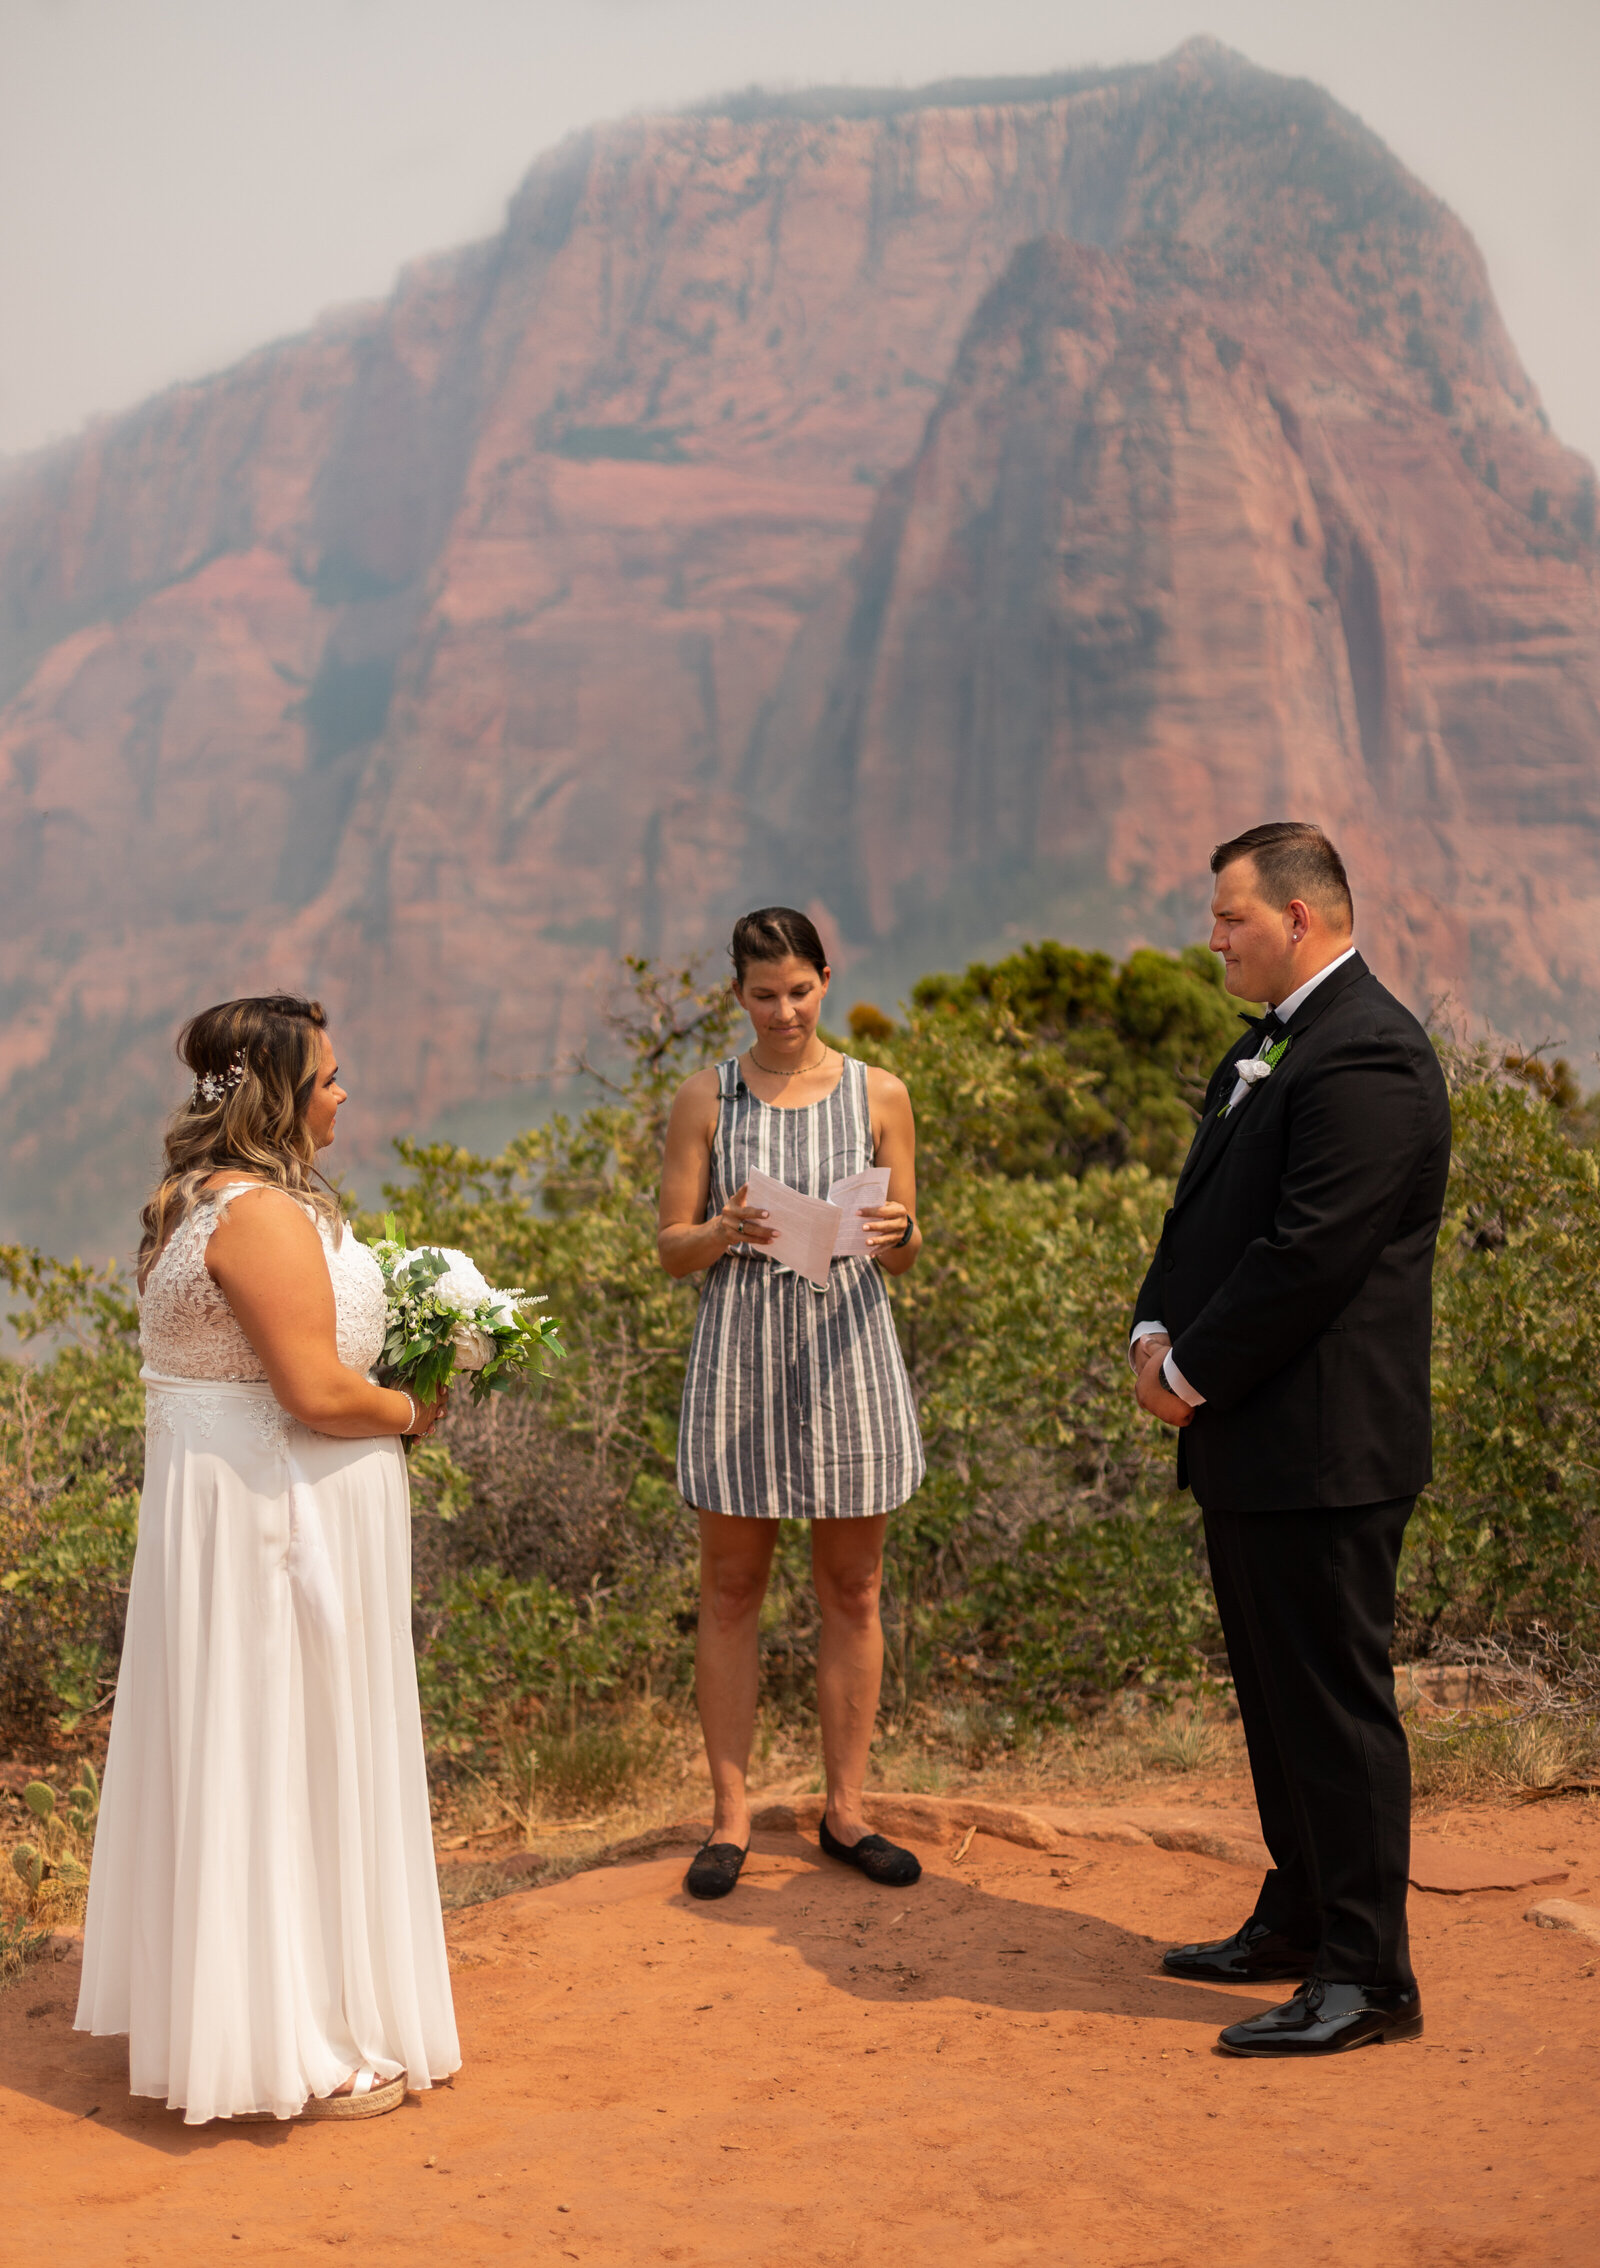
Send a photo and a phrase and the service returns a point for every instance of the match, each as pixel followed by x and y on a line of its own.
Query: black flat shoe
pixel 1252 1955
pixel 876 1857
pixel 1328 2019
pixel 714 1870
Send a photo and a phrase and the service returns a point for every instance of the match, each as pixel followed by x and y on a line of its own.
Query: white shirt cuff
pixel 1145 1330
pixel 1180 1385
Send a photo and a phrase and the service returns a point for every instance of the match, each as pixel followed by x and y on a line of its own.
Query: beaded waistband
pixel 251 1388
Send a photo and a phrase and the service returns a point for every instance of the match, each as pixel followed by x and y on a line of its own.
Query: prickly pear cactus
pixel 83 1801
pixel 40 1800
pixel 30 1865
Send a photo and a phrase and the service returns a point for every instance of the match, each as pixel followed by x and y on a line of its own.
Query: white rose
pixel 503 1314
pixel 463 1287
pixel 473 1347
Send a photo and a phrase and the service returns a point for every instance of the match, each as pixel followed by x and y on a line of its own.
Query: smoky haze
pixel 182 181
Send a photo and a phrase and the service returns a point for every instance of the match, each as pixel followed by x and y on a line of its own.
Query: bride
pixel 263 1910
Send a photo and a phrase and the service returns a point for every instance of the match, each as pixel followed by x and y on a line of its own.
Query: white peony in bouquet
pixel 445 1317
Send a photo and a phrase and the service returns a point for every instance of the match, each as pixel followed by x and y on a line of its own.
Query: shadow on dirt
pixel 948 1943
pixel 952 1940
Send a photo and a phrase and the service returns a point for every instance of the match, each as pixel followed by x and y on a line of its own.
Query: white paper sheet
pixel 806 1227
pixel 811 1232
pixel 868 1188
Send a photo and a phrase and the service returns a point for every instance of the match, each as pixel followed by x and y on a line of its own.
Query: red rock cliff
pixel 957 515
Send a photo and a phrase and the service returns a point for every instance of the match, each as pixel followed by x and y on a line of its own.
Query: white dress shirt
pixel 1172 1376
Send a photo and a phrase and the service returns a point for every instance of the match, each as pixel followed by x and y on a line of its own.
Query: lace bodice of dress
pixel 187 1329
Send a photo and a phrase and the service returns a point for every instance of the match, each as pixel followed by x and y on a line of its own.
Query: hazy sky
pixel 181 180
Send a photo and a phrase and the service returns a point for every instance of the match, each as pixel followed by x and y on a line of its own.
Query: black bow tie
pixel 1267 1026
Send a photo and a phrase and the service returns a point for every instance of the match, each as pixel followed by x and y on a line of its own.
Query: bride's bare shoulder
pixel 255 1208
pixel 240 1189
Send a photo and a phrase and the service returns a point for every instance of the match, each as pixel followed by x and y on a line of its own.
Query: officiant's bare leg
pixel 847 1567
pixel 735 1562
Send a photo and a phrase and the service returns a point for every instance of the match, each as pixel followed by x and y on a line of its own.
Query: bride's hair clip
pixel 211 1086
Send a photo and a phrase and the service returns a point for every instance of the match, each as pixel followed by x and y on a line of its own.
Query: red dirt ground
pixel 980 2069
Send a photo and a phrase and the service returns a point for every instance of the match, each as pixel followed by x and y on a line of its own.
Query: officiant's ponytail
pixel 255 1065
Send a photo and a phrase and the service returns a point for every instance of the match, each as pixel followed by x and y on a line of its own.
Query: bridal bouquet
pixel 445 1317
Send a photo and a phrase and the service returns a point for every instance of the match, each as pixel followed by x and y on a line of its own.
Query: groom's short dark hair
pixel 1292 859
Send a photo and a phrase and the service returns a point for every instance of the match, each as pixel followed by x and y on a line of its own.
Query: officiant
pixel 796 1405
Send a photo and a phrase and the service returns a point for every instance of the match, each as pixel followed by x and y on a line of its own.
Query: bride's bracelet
pixel 411 1423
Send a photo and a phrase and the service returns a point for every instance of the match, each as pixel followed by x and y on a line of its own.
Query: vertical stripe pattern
pixel 796 1405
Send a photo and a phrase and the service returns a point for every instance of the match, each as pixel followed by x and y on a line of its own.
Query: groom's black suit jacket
pixel 1295 1267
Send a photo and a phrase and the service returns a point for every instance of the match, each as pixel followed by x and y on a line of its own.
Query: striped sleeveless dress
pixel 796 1405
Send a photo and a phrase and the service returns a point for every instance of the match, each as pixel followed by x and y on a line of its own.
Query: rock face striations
pixel 954 512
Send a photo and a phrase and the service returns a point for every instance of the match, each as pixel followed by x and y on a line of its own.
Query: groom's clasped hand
pixel 1147 1356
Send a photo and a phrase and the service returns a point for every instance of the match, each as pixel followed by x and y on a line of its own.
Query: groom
pixel 1284 1327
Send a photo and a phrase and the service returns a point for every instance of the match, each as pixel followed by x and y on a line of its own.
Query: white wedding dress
pixel 263 1908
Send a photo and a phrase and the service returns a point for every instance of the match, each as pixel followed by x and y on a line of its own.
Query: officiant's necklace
pixel 795 1073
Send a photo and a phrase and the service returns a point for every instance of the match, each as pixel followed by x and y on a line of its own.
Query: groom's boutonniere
pixel 1255 1068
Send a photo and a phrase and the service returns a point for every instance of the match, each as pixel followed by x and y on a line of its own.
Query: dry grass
pixel 566 1799
pixel 1492 1722
pixel 1489 1756
pixel 561 1797
pixel 974 1744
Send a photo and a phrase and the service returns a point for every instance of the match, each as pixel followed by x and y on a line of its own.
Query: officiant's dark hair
pixel 774 934
pixel 1293 859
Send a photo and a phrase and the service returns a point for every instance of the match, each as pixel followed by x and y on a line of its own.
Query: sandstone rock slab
pixel 1233 1837
pixel 933 1819
pixel 1092 1823
pixel 1432 1689
pixel 1566 1913
pixel 1455 1870
pixel 676 1834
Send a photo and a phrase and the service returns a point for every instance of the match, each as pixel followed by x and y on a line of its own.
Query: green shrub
pixel 492 1646
pixel 1046 1560
pixel 71 1459
pixel 1085 1607
pixel 1056 1060
pixel 1510 1529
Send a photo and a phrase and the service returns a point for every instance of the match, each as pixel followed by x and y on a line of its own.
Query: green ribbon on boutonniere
pixel 1255 1068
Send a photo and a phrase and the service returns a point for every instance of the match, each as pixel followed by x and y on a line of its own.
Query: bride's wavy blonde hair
pixel 255 1065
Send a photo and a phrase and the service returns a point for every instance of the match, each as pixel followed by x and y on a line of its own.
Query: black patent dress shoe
pixel 1328 2019
pixel 1252 1955
pixel 875 1856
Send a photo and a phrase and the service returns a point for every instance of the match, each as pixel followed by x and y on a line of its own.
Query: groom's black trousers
pixel 1307 1606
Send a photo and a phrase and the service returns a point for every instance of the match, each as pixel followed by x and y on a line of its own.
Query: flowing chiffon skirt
pixel 263 1907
